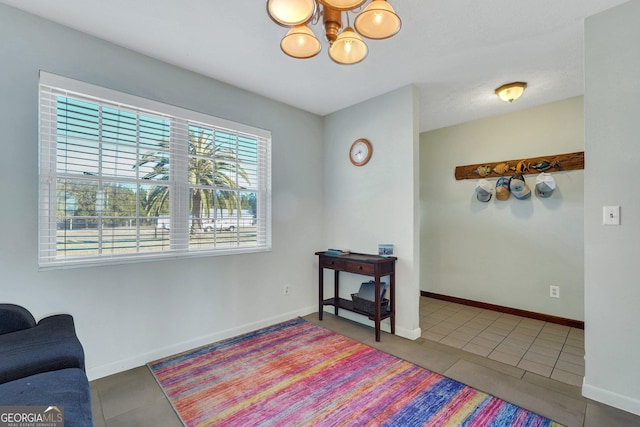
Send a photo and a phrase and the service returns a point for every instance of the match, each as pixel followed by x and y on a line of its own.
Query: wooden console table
pixel 365 264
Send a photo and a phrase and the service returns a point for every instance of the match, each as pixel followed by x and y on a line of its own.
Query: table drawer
pixel 367 269
pixel 332 263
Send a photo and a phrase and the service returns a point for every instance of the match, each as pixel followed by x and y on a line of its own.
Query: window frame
pixel 52 85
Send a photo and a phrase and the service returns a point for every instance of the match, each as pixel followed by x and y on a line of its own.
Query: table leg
pixel 376 309
pixel 392 301
pixel 320 292
pixel 336 290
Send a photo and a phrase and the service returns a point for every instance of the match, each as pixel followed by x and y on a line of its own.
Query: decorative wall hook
pixel 534 165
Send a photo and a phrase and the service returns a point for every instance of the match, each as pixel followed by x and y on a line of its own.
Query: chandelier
pixel 377 21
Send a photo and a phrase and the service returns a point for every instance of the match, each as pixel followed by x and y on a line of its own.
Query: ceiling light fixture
pixel 511 91
pixel 377 21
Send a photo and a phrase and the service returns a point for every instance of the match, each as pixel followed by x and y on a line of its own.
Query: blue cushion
pixel 14 318
pixel 67 389
pixel 50 345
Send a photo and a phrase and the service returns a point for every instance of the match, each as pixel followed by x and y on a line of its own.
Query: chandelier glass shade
pixel 291 12
pixel 376 21
pixel 300 42
pixel 343 4
pixel 348 48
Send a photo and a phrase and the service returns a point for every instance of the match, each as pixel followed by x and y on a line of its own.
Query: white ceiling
pixel 455 51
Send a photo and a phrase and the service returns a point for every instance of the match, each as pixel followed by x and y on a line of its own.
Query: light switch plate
pixel 611 215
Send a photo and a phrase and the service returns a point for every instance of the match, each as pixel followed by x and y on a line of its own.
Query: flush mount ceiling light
pixel 377 21
pixel 511 91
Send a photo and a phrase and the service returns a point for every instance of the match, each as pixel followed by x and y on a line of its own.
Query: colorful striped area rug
pixel 300 374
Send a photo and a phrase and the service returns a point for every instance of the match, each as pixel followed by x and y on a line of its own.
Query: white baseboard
pixel 142 359
pixel 410 334
pixel 611 398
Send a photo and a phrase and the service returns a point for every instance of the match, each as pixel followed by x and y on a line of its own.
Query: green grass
pixel 123 240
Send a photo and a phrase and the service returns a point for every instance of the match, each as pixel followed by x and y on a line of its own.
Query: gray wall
pixel 504 252
pixel 129 314
pixel 612 290
pixel 376 203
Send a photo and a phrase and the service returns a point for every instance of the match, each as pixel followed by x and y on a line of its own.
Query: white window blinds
pixel 123 178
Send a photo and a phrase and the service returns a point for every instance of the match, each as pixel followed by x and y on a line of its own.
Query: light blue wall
pixel 129 314
pixel 376 203
pixel 612 290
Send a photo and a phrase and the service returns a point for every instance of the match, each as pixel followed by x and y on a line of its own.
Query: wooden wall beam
pixel 533 165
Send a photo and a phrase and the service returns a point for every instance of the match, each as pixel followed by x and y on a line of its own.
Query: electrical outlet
pixel 554 291
pixel 287 290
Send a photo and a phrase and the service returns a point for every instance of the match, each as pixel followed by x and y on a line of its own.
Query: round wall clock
pixel 360 152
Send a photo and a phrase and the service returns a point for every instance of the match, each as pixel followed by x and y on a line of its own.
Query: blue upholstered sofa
pixel 42 364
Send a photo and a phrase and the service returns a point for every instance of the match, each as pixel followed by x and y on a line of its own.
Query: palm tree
pixel 210 165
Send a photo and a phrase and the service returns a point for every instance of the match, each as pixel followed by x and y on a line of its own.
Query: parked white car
pixel 209 224
pixel 219 224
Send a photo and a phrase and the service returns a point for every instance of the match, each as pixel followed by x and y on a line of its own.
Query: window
pixel 123 178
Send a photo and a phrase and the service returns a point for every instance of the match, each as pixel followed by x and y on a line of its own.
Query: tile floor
pixel 133 398
pixel 547 349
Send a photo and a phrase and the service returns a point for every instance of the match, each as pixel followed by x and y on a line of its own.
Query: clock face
pixel 360 152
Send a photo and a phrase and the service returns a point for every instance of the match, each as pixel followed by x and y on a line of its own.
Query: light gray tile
pixel 555 328
pixel 96 407
pixel 544 350
pixel 469 329
pixel 505 324
pixel 533 324
pixel 567 377
pixel 576 334
pixel 510 349
pixel 469 312
pixel 511 317
pixel 434 336
pixel 498 330
pixel 461 335
pixel 554 385
pixel 433 356
pixel 524 331
pixel 574 342
pixel 438 315
pixel 598 415
pixel 540 342
pixel 123 392
pixel 478 323
pixel 540 358
pixel 509 359
pixel 487 314
pixel 157 414
pixel 572 358
pixel 484 342
pixel 453 342
pixel 524 339
pixel 570 367
pixel 424 325
pixel 456 320
pixel 432 319
pixel 577 351
pixel 552 337
pixel 536 368
pixel 444 329
pixel 491 336
pixel 477 349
